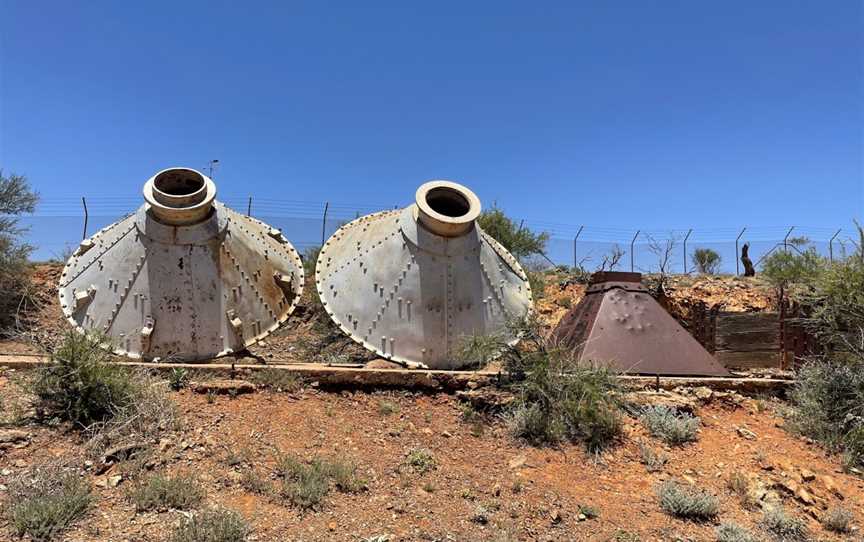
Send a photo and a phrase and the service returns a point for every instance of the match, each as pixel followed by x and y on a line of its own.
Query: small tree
pixel 707 261
pixel 521 242
pixel 796 268
pixel 16 198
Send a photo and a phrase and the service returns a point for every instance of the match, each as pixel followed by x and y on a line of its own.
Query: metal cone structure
pixel 184 278
pixel 620 325
pixel 410 284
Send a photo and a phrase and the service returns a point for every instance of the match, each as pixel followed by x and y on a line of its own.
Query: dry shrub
pixel 687 503
pixel 669 425
pixel 45 501
pixel 212 526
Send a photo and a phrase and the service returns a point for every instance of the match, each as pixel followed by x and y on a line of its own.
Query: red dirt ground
pixel 473 470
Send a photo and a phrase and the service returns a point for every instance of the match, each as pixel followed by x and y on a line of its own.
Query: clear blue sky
pixel 625 114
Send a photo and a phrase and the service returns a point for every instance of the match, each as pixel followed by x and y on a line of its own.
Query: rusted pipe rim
pixel 180 196
pixel 446 208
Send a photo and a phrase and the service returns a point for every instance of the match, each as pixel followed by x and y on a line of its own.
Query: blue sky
pixel 616 114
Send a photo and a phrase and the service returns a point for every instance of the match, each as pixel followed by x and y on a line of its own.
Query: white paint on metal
pixel 162 282
pixel 410 284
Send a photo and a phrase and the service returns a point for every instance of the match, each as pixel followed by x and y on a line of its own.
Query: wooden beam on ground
pixel 356 376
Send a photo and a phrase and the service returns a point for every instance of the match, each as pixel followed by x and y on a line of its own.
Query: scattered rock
pixel 555 516
pixel 746 433
pixel 518 461
pixel 12 436
pixel 807 475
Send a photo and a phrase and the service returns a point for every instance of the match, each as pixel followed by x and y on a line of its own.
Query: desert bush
pixel 82 386
pixel 306 484
pixel 520 241
pixel 253 482
pixel 687 503
pixel 476 350
pixel 177 378
pixel 706 260
pixel 669 425
pixel 44 502
pixel 653 460
pixel 537 281
pixel 386 408
pixel 557 398
pixel 16 198
pixel 162 492
pixel 837 519
pixel 212 526
pixel 782 526
pixel 828 399
pixel 835 305
pixel 793 268
pixel 420 460
pixel 277 380
pixel 732 532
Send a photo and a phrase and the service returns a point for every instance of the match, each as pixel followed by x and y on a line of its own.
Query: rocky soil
pixel 484 485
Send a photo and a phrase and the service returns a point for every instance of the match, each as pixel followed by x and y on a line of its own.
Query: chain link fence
pixel 59 225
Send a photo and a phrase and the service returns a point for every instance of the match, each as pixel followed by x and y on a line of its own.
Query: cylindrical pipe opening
pixel 179 187
pixel 446 208
pixel 179 196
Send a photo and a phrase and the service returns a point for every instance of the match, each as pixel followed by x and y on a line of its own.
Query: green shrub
pixel 558 399
pixel 835 306
pixel 687 503
pixel 791 268
pixel 161 492
pixel 420 460
pixel 837 520
pixel 386 408
pixel 653 460
pixel 828 400
pixel 252 482
pixel 537 281
pixel 45 502
pixel 177 378
pixel 783 526
pixel 277 380
pixel 669 425
pixel 520 241
pixel 706 260
pixel 306 484
pixel 476 351
pixel 16 198
pixel 82 385
pixel 588 511
pixel 731 532
pixel 212 526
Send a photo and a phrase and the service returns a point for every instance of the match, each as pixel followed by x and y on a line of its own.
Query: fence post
pixel 831 246
pixel 249 207
pixel 785 243
pixel 685 248
pixel 631 249
pixel 86 217
pixel 737 253
pixel 575 260
pixel 324 222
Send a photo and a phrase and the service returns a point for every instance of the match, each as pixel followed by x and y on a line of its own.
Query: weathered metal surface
pixel 409 284
pixel 183 278
pixel 619 324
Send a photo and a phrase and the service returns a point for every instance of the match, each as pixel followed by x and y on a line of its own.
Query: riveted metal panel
pixel 182 292
pixel 620 325
pixel 411 295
